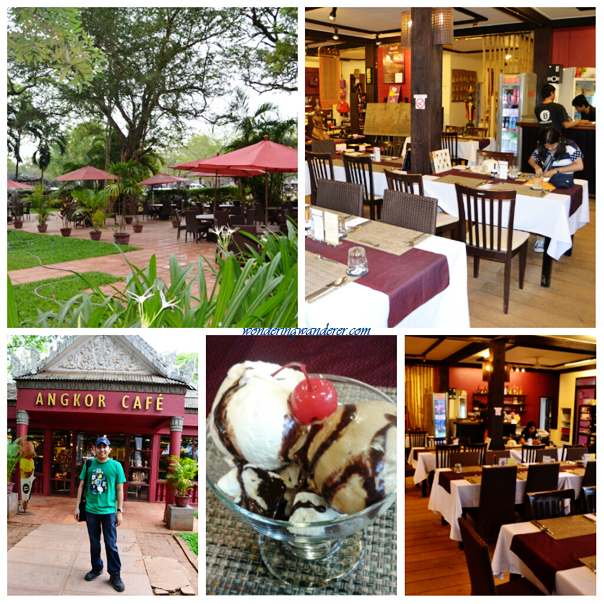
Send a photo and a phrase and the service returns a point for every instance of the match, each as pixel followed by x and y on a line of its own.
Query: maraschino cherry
pixel 313 399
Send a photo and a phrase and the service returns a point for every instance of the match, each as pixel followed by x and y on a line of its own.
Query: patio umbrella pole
pixel 215 190
pixel 266 198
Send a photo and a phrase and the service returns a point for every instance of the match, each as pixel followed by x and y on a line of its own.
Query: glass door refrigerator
pixel 436 406
pixel 517 94
pixel 576 81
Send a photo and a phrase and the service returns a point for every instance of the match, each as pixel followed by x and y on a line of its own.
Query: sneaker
pixel 114 579
pixel 539 246
pixel 93 574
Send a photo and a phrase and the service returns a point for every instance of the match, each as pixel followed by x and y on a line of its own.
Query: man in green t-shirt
pixel 104 481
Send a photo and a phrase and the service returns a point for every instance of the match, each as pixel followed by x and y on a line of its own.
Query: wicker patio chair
pixel 410 211
pixel 328 146
pixel 340 196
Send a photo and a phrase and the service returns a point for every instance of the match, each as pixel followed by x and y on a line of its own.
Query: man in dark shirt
pixel 553 114
pixel 581 104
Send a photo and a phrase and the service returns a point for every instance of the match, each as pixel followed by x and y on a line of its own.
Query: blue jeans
pixel 94 522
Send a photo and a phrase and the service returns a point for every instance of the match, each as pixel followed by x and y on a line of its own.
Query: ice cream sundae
pixel 296 453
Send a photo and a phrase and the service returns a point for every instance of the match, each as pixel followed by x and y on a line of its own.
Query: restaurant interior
pixel 405 106
pixel 500 474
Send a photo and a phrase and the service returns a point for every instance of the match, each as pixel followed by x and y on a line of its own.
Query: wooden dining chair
pixel 458 129
pixel 529 453
pixel 390 149
pixel 481 571
pixel 340 196
pixel 328 146
pixel 320 166
pixel 433 441
pixel 476 131
pixel 359 171
pixel 417 438
pixel 479 448
pixel 542 477
pixel 492 457
pixel 443 453
pixel 588 500
pixel 573 452
pixel 180 227
pixel 498 155
pixel 465 458
pixel 449 141
pixel 410 211
pixel 548 504
pixel 481 228
pixel 589 480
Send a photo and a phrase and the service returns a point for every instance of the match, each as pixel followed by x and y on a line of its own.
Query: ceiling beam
pixel 555 343
pixel 476 18
pixel 433 346
pixel 465 352
pixel 526 14
pixel 339 26
pixel 322 36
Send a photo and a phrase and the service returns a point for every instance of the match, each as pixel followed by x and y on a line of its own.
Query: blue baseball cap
pixel 102 440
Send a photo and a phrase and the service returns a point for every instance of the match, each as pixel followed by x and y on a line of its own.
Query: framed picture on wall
pixel 368 78
pixel 393 61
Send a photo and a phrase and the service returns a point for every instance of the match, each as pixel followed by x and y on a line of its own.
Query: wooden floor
pixel 434 564
pixel 570 301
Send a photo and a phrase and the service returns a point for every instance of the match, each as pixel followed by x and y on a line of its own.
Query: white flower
pixel 165 303
pixel 141 299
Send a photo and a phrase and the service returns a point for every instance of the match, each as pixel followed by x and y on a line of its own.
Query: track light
pixel 378 42
pixel 335 34
pixel 332 14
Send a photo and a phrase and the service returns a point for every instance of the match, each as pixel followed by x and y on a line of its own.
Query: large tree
pixel 164 64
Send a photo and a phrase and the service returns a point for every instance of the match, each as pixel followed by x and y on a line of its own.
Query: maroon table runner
pixel 445 478
pixel 408 280
pixel 575 192
pixel 545 556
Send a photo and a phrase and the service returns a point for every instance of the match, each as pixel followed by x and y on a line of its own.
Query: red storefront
pixel 114 386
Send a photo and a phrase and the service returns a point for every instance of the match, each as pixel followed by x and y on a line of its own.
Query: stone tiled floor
pixel 158 237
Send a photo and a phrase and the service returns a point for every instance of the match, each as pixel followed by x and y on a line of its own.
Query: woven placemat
pixel 234 565
pixel 319 273
pixel 385 237
pixel 590 562
pixel 474 479
pixel 569 526
pixel 461 180
pixel 520 189
pixel 577 471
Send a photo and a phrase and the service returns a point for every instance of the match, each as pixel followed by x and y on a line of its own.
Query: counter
pixel 583 136
pixel 470 428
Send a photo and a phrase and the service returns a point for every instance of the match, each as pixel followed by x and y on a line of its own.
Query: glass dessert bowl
pixel 307 554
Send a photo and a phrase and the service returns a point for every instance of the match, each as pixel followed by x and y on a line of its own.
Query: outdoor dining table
pixel 552 565
pixel 421 286
pixel 464 494
pixel 557 215
pixel 204 216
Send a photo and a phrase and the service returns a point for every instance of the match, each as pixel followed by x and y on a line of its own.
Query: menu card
pixel 318 229
pixel 503 170
pixel 330 222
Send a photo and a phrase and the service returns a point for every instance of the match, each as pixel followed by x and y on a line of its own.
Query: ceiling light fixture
pixel 378 42
pixel 332 14
pixel 335 34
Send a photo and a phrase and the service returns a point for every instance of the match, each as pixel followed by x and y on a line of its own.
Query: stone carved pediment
pixel 101 353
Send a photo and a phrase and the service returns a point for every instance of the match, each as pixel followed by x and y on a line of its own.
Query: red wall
pixel 405 87
pixel 574 46
pixel 534 386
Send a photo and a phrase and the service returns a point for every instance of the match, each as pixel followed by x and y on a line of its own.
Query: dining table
pixel 558 562
pixel 556 215
pixel 451 493
pixel 467 146
pixel 424 285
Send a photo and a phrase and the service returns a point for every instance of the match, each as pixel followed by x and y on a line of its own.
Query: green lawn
pixel 61 289
pixel 53 248
pixel 191 539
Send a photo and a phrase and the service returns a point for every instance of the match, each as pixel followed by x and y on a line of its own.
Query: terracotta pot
pixel 95 235
pixel 18 224
pixel 182 501
pixel 121 238
pixel 10 487
pixel 174 224
pixel 66 231
pixel 137 228
pixel 129 219
pixel 42 228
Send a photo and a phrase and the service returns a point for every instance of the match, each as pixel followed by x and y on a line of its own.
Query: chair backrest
pixel 359 171
pixel 491 456
pixel 166 209
pixel 573 452
pixel 190 220
pixel 250 216
pixel 483 212
pixel 478 561
pixel 433 441
pixel 465 458
pixel 417 438
pixel 410 211
pixel 240 242
pixel 547 504
pixel 407 183
pixel 328 146
pixel 440 161
pixel 475 131
pixel 442 455
pixel 589 499
pixel 449 141
pixel 458 129
pixel 589 480
pixel 542 477
pixel 529 453
pixel 221 217
pixel 498 155
pixel 391 149
pixel 340 196
pixel 237 219
pixel 236 210
pixel 479 448
pixel 497 495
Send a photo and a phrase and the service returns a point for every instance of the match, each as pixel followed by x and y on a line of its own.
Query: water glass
pixel 538 183
pixel 357 259
pixel 513 172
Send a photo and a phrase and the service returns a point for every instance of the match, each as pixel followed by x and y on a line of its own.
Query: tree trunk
pixel 16 170
pixel 107 146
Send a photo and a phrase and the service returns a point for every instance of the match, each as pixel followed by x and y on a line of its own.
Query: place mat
pixel 545 556
pixel 320 273
pixel 590 562
pixel 568 527
pixel 445 478
pixel 576 471
pixel 467 181
pixel 375 166
pixel 408 280
pixel 387 237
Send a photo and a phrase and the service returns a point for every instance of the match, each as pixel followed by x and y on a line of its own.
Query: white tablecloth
pixel 355 305
pixel 575 581
pixel 547 216
pixel 467 149
pixel 517 454
pixel 466 495
pixel 426 463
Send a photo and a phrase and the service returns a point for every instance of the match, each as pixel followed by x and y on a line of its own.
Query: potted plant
pixel 137 227
pixel 64 206
pixel 120 236
pixel 93 205
pixel 18 214
pixel 175 219
pixel 180 475
pixel 43 205
pixel 98 223
pixel 16 451
pixel 126 191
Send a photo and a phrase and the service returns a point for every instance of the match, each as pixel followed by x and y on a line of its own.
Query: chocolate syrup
pixel 309 504
pixel 270 490
pixel 292 430
pixel 221 422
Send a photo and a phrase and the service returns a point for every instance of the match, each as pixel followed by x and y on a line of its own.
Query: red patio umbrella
pixel 265 155
pixel 87 173
pixel 160 179
pixel 13 184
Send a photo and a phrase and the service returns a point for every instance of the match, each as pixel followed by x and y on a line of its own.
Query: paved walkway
pixel 53 560
pixel 158 237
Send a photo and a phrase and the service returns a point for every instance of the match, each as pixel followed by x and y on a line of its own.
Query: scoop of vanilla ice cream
pixel 251 419
pixel 309 507
pixel 350 457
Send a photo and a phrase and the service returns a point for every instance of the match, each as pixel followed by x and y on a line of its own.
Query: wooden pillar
pixel 542 57
pixel 371 90
pixel 426 78
pixel 496 386
pixel 442 378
